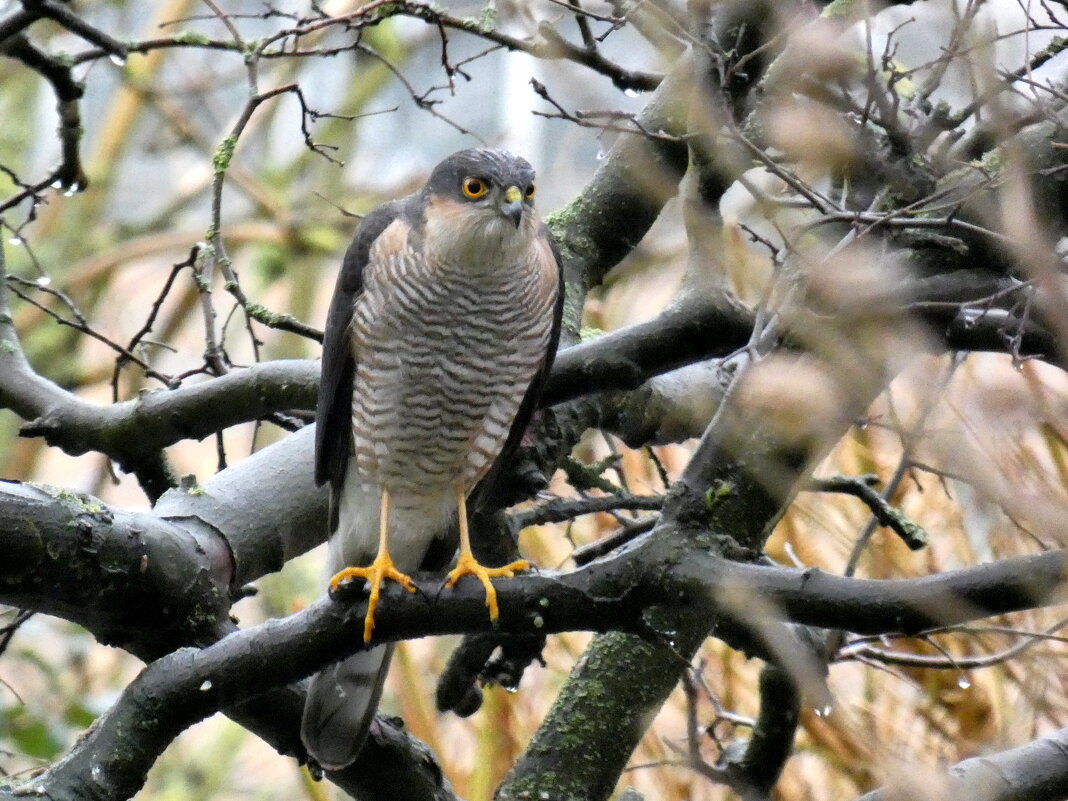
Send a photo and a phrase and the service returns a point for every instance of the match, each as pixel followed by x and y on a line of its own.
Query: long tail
pixel 342 700
pixel 343 697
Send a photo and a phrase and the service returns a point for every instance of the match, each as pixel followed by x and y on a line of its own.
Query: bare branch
pixel 1037 771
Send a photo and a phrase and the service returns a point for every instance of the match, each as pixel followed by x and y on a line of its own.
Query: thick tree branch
pixel 694 329
pixel 237 505
pixel 1037 771
pixel 119 574
pixel 147 582
pixel 132 431
pixel 71 555
pixel 608 594
pixel 773 736
pixel 615 593
pixel 624 197
pixel 267 507
pixel 690 330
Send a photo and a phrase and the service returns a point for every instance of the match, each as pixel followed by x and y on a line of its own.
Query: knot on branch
pixel 46 426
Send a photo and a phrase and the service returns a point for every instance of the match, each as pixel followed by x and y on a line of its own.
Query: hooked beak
pixel 512 207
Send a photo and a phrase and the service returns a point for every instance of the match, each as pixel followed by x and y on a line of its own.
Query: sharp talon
pixel 467 565
pixel 378 571
pixel 344 577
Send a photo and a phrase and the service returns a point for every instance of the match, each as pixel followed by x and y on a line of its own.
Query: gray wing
pixel 343 697
pixel 333 414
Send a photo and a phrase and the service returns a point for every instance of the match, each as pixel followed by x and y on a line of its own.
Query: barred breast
pixel 444 357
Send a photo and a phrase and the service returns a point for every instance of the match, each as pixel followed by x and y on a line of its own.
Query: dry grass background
pixel 993 433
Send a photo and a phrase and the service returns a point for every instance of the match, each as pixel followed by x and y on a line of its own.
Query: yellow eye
pixel 530 192
pixel 474 188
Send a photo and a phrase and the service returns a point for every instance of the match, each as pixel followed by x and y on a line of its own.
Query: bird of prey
pixel 440 335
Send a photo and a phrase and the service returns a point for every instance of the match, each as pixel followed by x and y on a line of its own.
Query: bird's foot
pixel 378 571
pixel 467 565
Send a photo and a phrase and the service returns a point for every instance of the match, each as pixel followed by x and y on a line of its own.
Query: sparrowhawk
pixel 440 336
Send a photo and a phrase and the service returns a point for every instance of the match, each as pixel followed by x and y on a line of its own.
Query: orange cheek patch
pixel 547 263
pixel 447 222
pixel 392 240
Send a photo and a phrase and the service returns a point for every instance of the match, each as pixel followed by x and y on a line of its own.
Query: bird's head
pixel 480 205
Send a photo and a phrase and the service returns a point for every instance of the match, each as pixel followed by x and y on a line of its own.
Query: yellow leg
pixel 379 570
pixel 467 565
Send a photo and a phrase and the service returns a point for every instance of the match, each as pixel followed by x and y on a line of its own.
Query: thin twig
pixel 860 487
